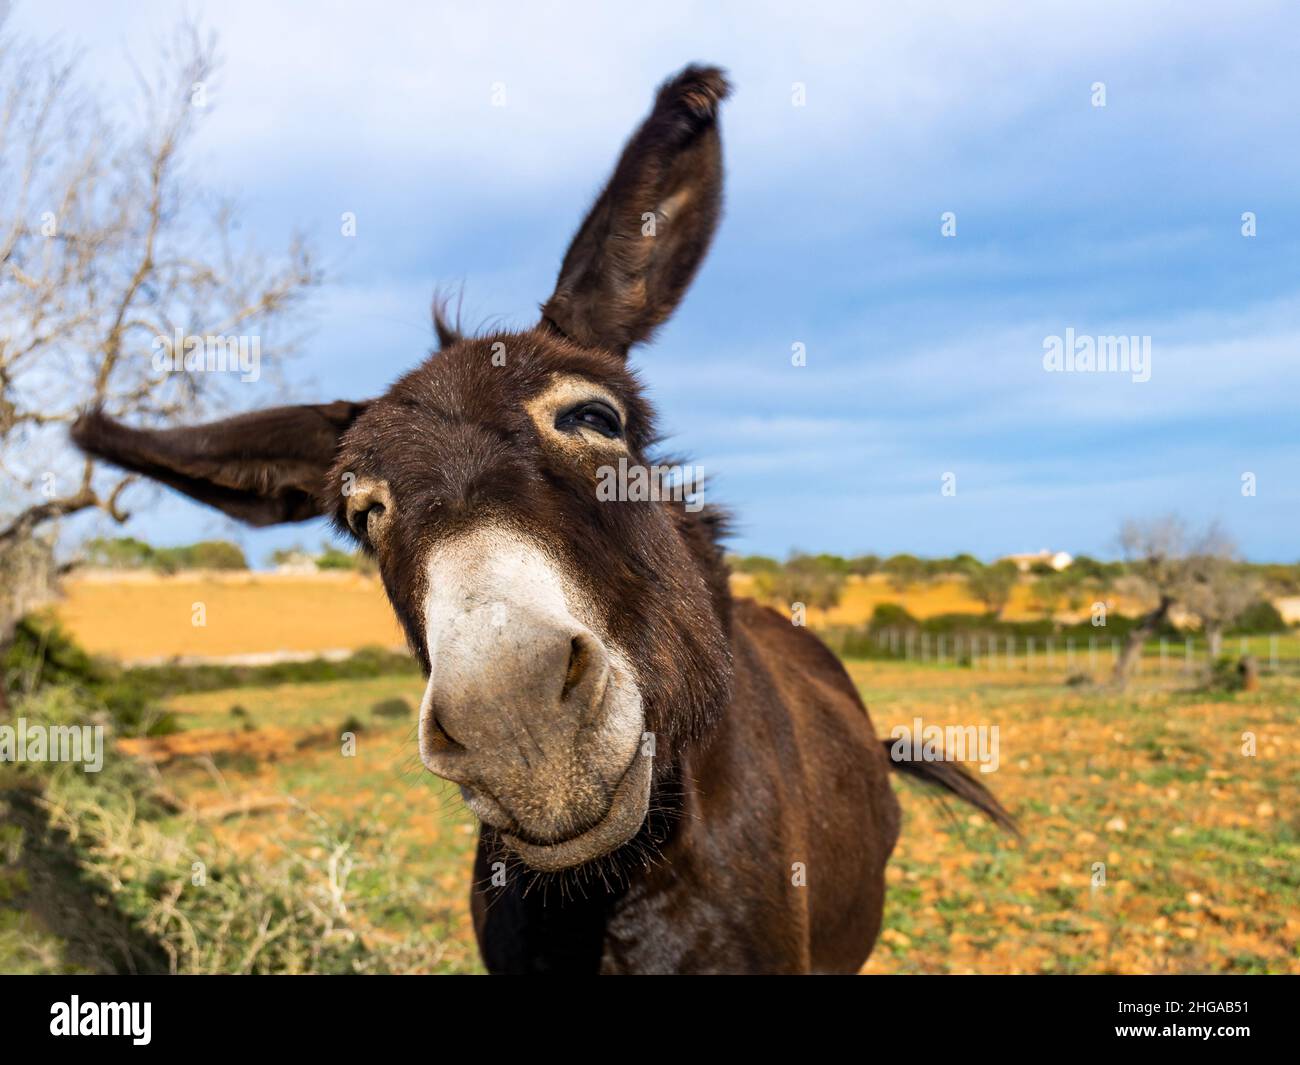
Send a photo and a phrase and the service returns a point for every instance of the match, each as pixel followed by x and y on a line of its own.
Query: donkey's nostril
pixel 437 739
pixel 580 655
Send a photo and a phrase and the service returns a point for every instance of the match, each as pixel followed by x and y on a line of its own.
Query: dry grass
pixel 1200 844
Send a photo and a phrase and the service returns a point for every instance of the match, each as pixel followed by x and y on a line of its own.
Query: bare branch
pixel 108 249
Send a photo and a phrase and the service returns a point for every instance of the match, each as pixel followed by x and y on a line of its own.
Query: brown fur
pixel 766 760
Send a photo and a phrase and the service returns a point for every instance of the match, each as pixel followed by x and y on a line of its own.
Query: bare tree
pixel 109 253
pixel 1156 552
pixel 1169 565
pixel 1218 592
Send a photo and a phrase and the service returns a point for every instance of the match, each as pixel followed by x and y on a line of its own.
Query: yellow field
pixel 143 616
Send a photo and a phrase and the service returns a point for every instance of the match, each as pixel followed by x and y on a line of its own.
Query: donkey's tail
pixel 952 778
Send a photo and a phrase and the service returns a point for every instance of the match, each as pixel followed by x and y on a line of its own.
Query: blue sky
pixel 924 352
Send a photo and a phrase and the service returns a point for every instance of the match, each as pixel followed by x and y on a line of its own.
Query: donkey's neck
pixel 703 530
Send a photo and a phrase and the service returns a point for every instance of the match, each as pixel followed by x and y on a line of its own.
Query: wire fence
pixel 1191 655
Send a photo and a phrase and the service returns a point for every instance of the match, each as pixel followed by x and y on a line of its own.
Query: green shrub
pixel 1258 619
pixel 392 708
pixel 892 616
pixel 753 564
pixel 126 552
pixel 1225 675
pixel 365 663
pixel 43 655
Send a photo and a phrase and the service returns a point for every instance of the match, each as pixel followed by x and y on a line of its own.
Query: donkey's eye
pixel 593 414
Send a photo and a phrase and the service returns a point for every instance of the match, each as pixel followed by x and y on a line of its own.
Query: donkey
pixel 667 779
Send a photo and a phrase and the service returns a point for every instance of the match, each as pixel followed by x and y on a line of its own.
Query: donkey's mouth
pixel 623 820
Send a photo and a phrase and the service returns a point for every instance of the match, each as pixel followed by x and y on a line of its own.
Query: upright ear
pixel 640 245
pixel 263 468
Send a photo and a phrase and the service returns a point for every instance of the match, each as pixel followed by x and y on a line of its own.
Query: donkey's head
pixel 557 628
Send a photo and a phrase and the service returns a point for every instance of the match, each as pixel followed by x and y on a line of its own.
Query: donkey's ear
pixel 262 468
pixel 641 243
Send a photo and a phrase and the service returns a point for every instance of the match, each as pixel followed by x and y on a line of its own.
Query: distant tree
pixel 903 571
pixel 1219 591
pixel 207 554
pixel 1102 574
pixel 825 561
pixel 283 555
pixel 1050 590
pixel 1279 578
pixel 863 565
pixel 753 564
pixel 963 564
pixel 992 585
pixel 1078 589
pixel 1045 593
pixel 121 552
pixel 126 552
pixel 331 557
pixel 814 580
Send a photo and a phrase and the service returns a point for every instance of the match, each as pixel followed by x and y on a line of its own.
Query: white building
pixel 1058 560
pixel 297 562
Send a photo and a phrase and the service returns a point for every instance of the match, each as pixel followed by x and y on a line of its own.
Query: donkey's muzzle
pixel 527 709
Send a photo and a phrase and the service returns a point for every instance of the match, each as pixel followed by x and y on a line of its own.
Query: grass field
pixel 1200 844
